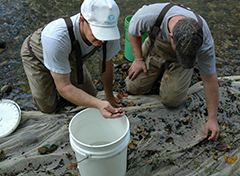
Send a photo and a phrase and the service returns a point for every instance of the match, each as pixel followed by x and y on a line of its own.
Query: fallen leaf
pixel 2 155
pixel 224 127
pixel 149 162
pixel 135 142
pixel 125 94
pixel 46 149
pixel 131 146
pixel 72 166
pixel 185 121
pixel 230 160
pixel 222 147
pixel 120 95
pixel 149 110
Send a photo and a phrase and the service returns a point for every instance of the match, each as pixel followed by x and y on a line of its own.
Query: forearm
pixel 211 94
pixel 136 44
pixel 72 93
pixel 79 97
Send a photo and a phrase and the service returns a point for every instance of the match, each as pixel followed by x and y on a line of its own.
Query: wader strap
pixel 78 53
pixel 76 48
pixel 104 57
pixel 156 28
pixel 70 31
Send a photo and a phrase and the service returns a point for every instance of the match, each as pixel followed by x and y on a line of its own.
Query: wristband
pixel 139 59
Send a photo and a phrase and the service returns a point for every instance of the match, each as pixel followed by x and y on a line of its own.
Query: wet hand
pixel 136 67
pixel 212 126
pixel 109 111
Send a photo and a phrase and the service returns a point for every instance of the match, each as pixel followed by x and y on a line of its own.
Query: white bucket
pixel 100 144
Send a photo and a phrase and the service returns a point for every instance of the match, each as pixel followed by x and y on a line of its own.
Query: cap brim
pixel 105 33
pixel 186 62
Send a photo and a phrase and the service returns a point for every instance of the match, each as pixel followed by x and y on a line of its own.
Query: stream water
pixel 20 18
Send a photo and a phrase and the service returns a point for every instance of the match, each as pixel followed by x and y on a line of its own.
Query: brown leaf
pixel 149 110
pixel 72 166
pixel 125 94
pixel 222 147
pixel 120 95
pixel 185 121
pixel 42 150
pixel 149 162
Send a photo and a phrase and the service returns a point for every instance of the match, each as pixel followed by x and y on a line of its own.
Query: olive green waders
pixel 175 80
pixel 40 80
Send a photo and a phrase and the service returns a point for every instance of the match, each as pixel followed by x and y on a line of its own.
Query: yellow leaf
pixel 230 160
pixel 131 146
pixel 135 142
pixel 224 127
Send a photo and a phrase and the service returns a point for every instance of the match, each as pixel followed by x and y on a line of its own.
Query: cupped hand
pixel 212 125
pixel 136 67
pixel 108 111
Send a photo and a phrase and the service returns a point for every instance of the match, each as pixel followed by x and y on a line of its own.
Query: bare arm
pixel 107 79
pixel 79 97
pixel 137 65
pixel 210 84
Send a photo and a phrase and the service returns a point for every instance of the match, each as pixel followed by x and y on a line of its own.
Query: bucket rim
pixel 98 146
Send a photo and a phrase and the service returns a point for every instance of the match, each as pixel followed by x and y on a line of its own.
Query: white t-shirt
pixel 145 18
pixel 57 45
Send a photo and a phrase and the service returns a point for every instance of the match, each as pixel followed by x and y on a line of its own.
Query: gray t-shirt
pixel 145 18
pixel 57 45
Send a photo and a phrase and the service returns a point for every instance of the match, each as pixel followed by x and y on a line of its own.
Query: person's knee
pixel 48 111
pixel 172 103
pixel 44 107
pixel 136 88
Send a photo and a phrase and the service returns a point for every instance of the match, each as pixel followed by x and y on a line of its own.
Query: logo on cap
pixel 110 18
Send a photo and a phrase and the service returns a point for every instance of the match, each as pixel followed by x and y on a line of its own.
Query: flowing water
pixel 20 18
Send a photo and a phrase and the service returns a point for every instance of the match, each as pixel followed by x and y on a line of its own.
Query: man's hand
pixel 136 67
pixel 212 125
pixel 108 111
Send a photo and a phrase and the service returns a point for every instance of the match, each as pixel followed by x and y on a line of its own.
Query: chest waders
pixel 40 80
pixel 161 64
pixel 76 50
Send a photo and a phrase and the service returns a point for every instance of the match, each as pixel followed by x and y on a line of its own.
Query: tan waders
pixel 175 80
pixel 161 61
pixel 40 80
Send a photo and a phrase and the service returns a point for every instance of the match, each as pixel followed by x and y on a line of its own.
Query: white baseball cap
pixel 102 16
